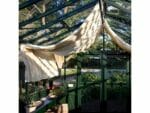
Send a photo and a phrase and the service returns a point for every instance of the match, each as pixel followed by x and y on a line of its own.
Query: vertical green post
pixel 130 73
pixel 77 92
pixel 27 93
pixel 65 83
pixel 102 84
pixel 64 76
pixel 129 94
pixel 33 98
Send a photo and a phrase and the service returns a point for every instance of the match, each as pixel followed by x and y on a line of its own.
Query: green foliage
pixel 69 72
pixel 118 77
pixel 87 93
pixel 90 93
pixel 118 86
pixel 58 91
pixel 89 77
pixel 95 48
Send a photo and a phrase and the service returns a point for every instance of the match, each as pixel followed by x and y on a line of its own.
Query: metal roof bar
pixel 123 19
pixel 45 34
pixel 27 3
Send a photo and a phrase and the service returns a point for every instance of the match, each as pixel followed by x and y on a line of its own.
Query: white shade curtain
pixel 43 62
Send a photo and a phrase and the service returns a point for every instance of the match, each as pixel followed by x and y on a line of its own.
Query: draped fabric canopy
pixel 43 62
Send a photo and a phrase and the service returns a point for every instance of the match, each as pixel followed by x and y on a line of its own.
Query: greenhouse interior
pixel 74 56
